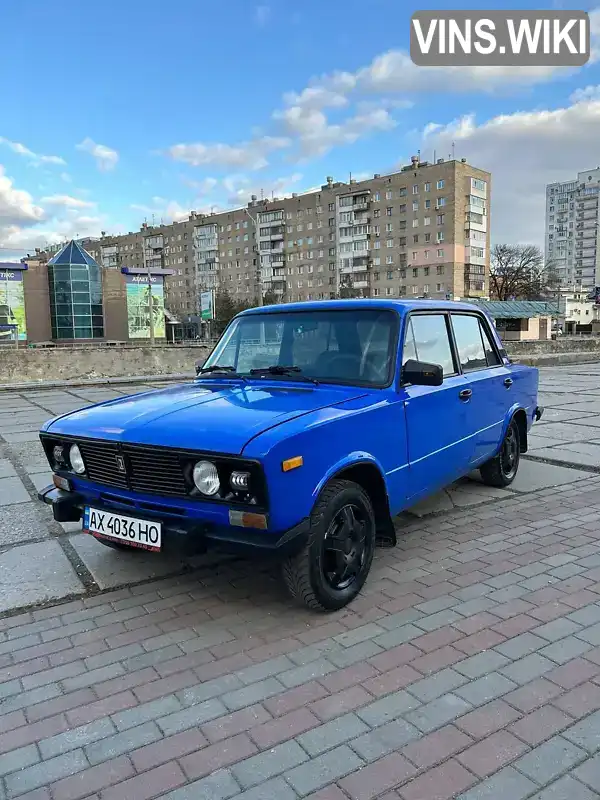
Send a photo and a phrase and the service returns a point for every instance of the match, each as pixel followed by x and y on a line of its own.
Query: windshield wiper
pixel 228 371
pixel 276 369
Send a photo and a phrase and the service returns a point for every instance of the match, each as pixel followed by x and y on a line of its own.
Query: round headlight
pixel 76 460
pixel 206 478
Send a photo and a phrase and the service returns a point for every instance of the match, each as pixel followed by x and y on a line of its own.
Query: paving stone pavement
pixel 468 668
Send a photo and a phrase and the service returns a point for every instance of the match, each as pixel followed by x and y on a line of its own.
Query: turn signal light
pixel 292 463
pixel 245 519
pixel 61 483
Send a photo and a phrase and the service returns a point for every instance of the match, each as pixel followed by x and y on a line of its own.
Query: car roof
pixel 391 304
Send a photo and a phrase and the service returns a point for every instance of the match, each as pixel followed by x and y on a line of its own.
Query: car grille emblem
pixel 120 463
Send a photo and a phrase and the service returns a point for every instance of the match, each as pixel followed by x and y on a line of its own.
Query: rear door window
pixel 432 342
pixel 475 351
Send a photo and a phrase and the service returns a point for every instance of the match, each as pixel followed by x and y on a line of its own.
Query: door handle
pixel 508 382
pixel 465 394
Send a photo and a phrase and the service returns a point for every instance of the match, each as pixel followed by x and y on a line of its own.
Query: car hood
pixel 208 416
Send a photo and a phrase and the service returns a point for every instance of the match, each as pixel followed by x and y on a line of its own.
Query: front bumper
pixel 186 536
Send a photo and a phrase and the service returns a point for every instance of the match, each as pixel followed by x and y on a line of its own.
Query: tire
pixel 501 470
pixel 328 578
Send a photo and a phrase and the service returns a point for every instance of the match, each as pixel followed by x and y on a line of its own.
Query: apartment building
pixel 572 231
pixel 155 247
pixel 423 231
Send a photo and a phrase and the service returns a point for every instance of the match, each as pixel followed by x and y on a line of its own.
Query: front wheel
pixel 332 567
pixel 501 470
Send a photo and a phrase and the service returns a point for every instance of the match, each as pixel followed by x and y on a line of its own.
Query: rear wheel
pixel 332 568
pixel 501 470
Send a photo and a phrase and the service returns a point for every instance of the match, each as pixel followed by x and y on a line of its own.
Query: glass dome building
pixel 75 284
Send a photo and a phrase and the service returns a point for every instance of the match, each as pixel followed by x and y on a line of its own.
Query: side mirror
pixel 199 364
pixel 421 374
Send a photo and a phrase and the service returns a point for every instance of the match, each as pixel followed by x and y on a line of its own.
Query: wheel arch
pixel 520 417
pixel 369 476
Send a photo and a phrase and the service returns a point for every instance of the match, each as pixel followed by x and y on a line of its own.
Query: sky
pixel 122 112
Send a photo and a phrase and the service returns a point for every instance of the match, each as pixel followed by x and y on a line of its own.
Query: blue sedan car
pixel 309 427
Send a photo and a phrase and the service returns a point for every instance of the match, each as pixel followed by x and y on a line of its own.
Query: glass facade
pixel 75 285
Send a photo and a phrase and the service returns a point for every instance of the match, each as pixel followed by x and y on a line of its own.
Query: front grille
pixel 152 471
pixel 157 470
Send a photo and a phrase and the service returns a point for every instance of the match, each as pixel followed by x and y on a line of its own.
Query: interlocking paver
pixel 473 658
pixel 550 760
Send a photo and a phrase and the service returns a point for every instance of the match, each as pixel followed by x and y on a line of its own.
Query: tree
pixel 270 298
pixel 518 272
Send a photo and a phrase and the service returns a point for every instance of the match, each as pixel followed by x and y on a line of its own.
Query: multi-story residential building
pixel 571 241
pixel 423 231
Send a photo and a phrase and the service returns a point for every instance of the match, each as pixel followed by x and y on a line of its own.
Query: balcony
pixel 473 269
pixel 360 284
pixel 361 261
pixel 360 205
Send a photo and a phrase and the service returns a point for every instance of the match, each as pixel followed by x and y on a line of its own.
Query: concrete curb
pixel 129 379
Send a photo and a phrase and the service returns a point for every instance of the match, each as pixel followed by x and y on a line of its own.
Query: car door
pixel 489 382
pixel 436 416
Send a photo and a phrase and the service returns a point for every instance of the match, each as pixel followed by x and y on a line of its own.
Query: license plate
pixel 141 533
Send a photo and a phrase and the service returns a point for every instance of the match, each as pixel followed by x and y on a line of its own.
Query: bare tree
pixel 518 272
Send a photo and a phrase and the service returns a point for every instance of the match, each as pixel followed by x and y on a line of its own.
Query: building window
pixel 415 223
pixel 478 184
pixel 440 219
pixel 376 197
pixel 440 184
pixel 389 259
pixel 389 194
pixel 427 187
pixel 415 189
pixel 389 242
pixel 388 211
pixel 440 236
pixel 440 254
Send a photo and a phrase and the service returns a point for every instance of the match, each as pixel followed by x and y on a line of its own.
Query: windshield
pixel 354 347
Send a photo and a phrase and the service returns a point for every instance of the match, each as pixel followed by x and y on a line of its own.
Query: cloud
pixel 106 158
pixel 240 188
pixel 25 225
pixel 247 155
pixel 316 97
pixel 316 136
pixel 34 158
pixel 262 15
pixel 66 201
pixel 586 93
pixel 16 205
pixel 394 72
pixel 524 151
pixel 205 186
pixel 162 210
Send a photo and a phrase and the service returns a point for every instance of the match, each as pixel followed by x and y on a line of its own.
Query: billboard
pixel 139 290
pixel 207 305
pixel 12 303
